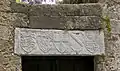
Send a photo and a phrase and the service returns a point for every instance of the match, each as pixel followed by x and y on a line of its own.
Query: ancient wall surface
pixel 8 21
pixel 111 60
pixel 16 15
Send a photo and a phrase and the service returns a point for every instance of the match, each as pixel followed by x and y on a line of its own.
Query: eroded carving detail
pixel 91 44
pixel 59 42
pixel 43 40
pixel 27 41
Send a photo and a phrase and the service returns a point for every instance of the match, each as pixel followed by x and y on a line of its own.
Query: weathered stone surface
pixel 113 7
pixel 66 22
pixel 112 40
pixel 67 10
pixel 59 9
pixel 110 61
pixel 112 45
pixel 111 64
pixel 2 68
pixel 115 26
pixel 113 51
pixel 4 32
pixel 8 61
pixel 5 5
pixel 20 8
pixel 58 42
pixel 114 15
pixel 14 19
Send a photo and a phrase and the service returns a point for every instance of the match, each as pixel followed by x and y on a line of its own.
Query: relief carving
pixel 43 41
pixel 91 44
pixel 27 42
pixel 59 42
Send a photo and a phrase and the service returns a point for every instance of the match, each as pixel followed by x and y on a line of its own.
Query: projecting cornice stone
pixel 89 9
pixel 58 42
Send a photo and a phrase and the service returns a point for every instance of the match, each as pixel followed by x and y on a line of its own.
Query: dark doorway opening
pixel 57 63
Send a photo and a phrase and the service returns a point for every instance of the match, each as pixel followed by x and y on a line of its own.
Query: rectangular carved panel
pixel 58 42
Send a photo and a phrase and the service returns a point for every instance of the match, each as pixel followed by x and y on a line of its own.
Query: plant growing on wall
pixel 106 23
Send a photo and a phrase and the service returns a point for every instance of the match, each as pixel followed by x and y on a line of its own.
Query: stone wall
pixel 16 15
pixel 111 60
pixel 8 21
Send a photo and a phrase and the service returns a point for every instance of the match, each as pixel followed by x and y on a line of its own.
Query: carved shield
pixel 27 42
pixel 91 42
pixel 44 41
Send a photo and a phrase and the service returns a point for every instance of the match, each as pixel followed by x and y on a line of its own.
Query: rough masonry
pixel 14 15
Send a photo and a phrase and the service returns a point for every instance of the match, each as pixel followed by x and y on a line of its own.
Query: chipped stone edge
pixel 102 37
pixel 16 44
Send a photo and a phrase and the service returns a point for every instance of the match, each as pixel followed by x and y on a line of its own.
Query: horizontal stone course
pixel 65 22
pixel 67 10
pixel 93 9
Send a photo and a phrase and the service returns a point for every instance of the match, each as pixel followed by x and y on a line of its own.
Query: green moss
pixel 106 23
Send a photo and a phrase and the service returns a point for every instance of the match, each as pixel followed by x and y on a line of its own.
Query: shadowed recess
pixel 57 63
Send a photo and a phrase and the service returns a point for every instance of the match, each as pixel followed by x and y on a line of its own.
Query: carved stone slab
pixel 58 42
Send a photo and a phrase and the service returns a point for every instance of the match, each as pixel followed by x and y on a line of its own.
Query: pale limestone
pixel 58 42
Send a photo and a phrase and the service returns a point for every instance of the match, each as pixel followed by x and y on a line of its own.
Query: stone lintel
pixel 66 22
pixel 89 9
pixel 58 42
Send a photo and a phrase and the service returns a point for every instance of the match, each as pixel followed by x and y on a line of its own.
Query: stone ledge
pixel 67 10
pixel 66 22
pixel 93 9
pixel 58 42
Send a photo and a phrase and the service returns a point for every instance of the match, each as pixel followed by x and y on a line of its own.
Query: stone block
pixel 59 9
pixel 111 64
pixel 14 19
pixel 58 42
pixel 115 26
pixel 66 10
pixel 65 22
pixel 100 67
pixel 114 15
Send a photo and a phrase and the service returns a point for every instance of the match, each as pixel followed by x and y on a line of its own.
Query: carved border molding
pixel 58 42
